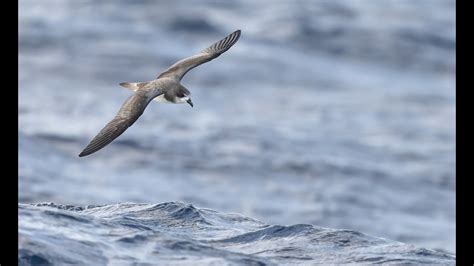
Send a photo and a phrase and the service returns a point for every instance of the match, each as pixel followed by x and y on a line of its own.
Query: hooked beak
pixel 190 102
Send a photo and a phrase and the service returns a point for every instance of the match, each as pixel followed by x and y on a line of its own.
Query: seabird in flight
pixel 165 88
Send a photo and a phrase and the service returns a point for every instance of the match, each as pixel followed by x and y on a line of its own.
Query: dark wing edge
pixel 130 111
pixel 223 45
pixel 180 68
pixel 110 132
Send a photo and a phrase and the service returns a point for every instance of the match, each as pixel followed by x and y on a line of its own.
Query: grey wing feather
pixel 130 111
pixel 180 68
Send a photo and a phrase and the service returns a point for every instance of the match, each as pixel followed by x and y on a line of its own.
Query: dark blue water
pixel 175 233
pixel 336 114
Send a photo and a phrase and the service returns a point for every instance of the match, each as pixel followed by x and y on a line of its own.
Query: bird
pixel 166 88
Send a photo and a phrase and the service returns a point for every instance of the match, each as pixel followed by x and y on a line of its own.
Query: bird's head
pixel 183 96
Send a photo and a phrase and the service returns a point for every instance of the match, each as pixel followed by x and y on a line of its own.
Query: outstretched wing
pixel 130 111
pixel 180 68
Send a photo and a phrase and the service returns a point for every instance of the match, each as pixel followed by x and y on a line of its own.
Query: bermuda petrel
pixel 165 88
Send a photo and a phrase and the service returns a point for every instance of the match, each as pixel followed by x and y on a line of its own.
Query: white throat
pixel 182 100
pixel 162 99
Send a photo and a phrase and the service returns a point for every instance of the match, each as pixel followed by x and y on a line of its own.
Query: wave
pixel 175 232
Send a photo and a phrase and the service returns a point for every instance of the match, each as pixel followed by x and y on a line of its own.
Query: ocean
pixel 334 114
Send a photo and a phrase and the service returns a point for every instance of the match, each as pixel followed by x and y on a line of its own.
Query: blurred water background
pixel 333 113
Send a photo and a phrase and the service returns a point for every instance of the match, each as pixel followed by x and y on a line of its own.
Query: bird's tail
pixel 130 85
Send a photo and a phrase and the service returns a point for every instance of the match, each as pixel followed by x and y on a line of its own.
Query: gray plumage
pixel 180 68
pixel 165 88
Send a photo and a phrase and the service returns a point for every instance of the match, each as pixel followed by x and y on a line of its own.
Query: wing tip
pixel 234 36
pixel 236 33
pixel 223 45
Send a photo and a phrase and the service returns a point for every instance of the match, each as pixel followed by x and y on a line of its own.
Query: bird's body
pixel 166 88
